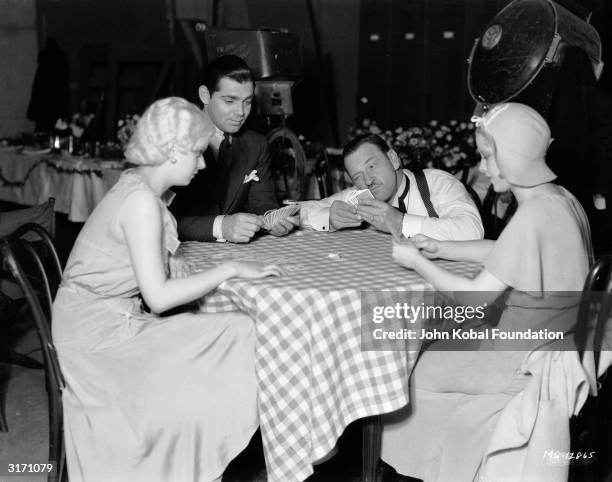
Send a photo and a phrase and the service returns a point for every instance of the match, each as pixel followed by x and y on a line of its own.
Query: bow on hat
pixel 483 121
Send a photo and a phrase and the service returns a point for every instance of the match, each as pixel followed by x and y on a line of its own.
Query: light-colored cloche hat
pixel 521 137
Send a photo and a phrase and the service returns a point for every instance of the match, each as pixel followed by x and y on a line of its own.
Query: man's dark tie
pixel 401 199
pixel 224 157
pixel 224 163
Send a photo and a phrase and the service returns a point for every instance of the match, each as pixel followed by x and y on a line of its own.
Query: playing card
pixel 356 196
pixel 273 217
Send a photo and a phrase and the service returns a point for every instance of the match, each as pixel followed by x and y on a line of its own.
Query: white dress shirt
pixel 458 216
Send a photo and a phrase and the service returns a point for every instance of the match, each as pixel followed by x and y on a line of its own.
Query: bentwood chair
pixel 591 429
pixel 42 214
pixel 38 277
pixel 12 303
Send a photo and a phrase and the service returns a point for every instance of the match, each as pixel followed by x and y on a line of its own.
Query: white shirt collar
pixel 217 138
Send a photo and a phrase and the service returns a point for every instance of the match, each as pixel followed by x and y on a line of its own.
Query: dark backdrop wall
pixel 360 41
pixel 324 101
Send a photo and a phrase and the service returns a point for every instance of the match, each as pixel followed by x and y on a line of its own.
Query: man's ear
pixel 204 94
pixel 394 158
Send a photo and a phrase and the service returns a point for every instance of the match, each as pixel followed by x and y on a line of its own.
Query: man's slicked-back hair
pixel 359 141
pixel 230 66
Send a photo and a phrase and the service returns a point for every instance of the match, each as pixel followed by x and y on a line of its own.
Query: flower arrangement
pixel 80 125
pixel 71 135
pixel 450 147
pixel 125 128
pixel 77 127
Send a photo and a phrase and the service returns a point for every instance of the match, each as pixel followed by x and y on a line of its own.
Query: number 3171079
pixel 29 468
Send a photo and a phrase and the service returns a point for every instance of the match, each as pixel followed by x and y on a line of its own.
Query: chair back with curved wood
pixel 588 431
pixel 43 215
pixel 21 259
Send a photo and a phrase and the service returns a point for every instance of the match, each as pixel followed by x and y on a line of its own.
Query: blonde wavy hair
pixel 167 124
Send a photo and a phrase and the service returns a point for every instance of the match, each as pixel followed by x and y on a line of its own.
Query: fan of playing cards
pixel 357 196
pixel 274 216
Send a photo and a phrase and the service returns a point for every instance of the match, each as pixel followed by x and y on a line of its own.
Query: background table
pixel 313 376
pixel 77 184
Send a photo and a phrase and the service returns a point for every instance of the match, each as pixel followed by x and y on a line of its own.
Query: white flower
pixel 251 177
pixel 61 125
pixel 77 131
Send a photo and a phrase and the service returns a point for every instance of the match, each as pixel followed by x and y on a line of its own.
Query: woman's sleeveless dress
pixel 456 397
pixel 148 398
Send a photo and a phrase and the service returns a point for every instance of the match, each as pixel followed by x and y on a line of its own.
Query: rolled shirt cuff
pixel 217 230
pixel 315 218
pixel 412 224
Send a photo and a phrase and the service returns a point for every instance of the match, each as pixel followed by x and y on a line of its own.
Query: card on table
pixel 357 196
pixel 273 217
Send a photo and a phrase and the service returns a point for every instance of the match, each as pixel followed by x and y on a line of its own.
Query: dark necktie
pixel 401 199
pixel 224 163
pixel 224 156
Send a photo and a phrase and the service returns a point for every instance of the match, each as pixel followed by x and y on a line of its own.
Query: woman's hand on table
pixel 429 247
pixel 179 266
pixel 253 269
pixel 405 253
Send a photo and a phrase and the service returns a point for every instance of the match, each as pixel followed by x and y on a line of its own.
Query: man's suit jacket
pixel 197 204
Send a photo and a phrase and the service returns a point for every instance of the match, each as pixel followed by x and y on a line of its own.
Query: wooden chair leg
pixel 55 436
pixel 371 440
pixel 5 373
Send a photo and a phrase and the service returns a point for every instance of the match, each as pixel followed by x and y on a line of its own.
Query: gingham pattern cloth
pixel 313 376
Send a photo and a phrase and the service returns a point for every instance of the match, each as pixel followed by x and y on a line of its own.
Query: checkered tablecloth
pixel 314 378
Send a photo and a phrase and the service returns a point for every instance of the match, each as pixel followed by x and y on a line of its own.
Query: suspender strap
pixel 419 176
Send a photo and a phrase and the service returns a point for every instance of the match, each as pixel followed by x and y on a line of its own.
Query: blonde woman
pixel 538 264
pixel 151 397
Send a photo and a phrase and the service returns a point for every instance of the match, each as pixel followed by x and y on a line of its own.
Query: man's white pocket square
pixel 251 177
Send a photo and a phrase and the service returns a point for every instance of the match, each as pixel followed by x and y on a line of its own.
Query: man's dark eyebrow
pixel 235 97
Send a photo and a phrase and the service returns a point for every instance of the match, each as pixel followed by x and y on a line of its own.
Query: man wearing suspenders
pixel 431 202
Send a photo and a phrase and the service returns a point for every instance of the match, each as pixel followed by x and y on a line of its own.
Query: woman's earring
pixel 173 160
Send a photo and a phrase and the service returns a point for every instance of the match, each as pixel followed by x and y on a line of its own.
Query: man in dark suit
pixel 225 201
